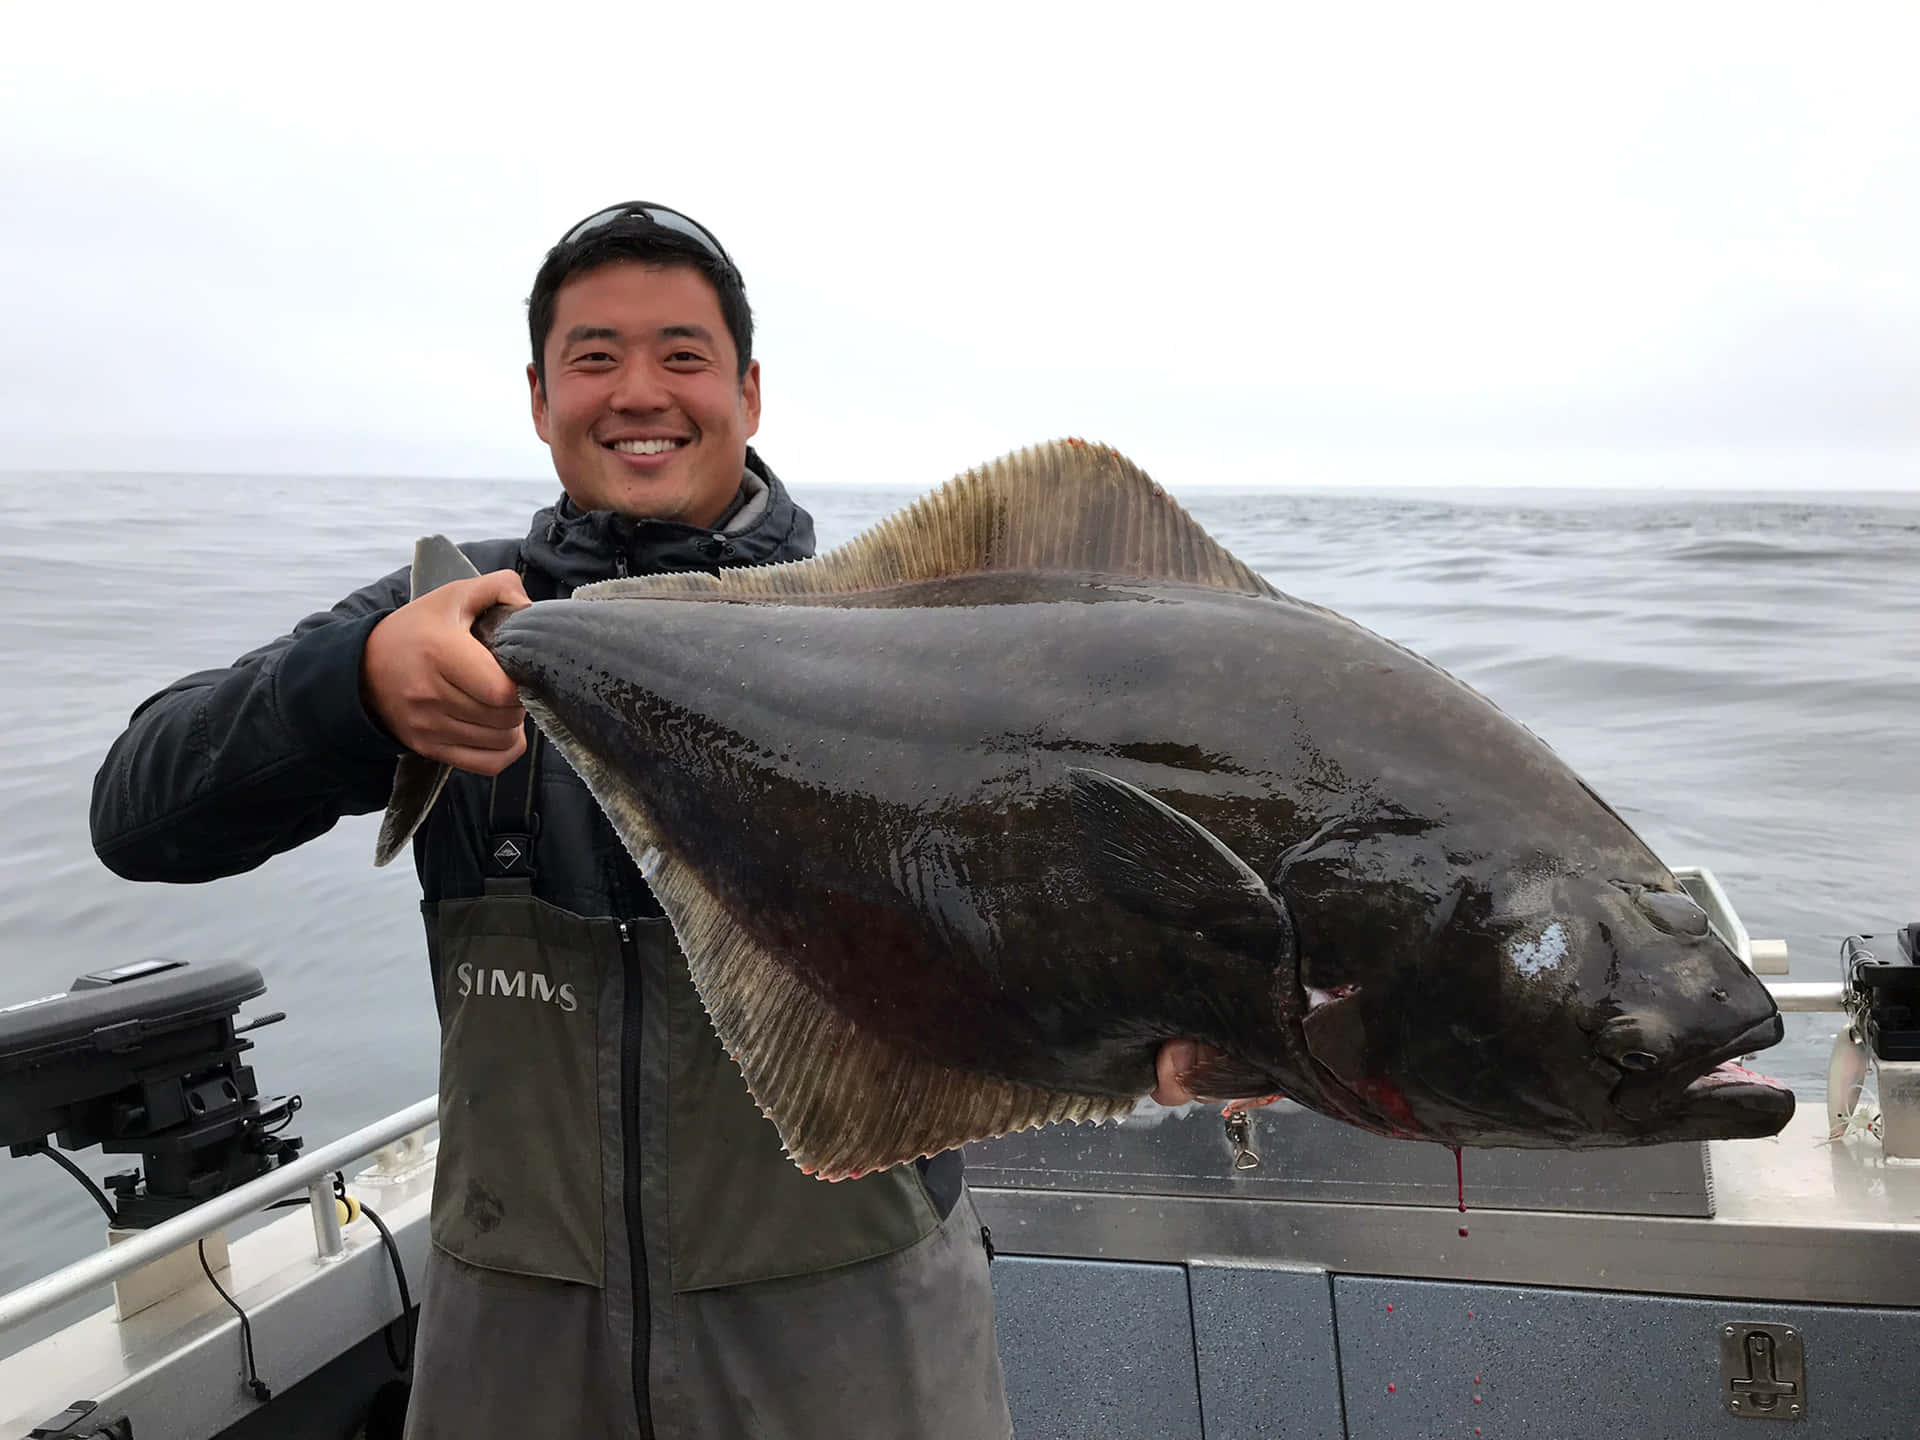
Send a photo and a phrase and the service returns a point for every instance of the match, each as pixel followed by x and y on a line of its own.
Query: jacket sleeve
pixel 226 768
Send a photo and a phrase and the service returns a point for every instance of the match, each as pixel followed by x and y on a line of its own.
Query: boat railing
pixel 311 1172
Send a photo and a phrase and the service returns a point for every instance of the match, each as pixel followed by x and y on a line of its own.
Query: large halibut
pixel 959 823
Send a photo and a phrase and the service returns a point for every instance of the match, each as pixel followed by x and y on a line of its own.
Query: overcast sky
pixel 1413 244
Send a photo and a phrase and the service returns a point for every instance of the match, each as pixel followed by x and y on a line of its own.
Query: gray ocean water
pixel 1740 677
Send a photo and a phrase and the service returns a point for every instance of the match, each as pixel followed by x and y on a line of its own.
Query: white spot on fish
pixel 649 862
pixel 1530 957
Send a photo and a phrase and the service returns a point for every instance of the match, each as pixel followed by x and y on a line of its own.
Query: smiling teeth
pixel 646 447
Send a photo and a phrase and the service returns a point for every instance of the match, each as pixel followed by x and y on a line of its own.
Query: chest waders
pixel 602 1166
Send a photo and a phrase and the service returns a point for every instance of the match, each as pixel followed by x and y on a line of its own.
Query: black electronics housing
pixel 1888 989
pixel 145 1059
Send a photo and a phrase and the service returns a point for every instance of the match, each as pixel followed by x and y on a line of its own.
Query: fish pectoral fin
pixel 1167 866
pixel 417 781
pixel 1336 1032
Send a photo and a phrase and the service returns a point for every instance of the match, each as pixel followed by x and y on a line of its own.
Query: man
pixel 620 1248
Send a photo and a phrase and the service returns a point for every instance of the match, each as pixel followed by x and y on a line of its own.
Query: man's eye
pixel 686 357
pixel 593 357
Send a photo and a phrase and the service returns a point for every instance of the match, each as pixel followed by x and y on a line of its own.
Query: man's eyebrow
pixel 665 332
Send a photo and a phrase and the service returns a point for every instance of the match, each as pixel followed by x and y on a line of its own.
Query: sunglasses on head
pixel 656 215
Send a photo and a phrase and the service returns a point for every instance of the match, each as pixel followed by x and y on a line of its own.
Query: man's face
pixel 642 408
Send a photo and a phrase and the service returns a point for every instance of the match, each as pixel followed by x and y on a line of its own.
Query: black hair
pixel 637 240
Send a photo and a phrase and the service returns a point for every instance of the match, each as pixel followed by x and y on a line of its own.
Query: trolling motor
pixel 1882 999
pixel 145 1060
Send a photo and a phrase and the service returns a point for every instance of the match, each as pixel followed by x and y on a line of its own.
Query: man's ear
pixel 539 397
pixel 750 397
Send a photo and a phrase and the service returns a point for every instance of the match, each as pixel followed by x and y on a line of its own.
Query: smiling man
pixel 643 395
pixel 620 1246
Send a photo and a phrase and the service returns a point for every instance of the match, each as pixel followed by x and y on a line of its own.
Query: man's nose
pixel 640 387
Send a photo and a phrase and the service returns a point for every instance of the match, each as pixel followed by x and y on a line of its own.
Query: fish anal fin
pixel 846 1101
pixel 417 781
pixel 1167 866
pixel 1068 506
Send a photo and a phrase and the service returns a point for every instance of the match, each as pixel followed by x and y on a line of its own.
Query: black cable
pixel 400 1357
pixel 254 1383
pixel 99 1195
pixel 401 1354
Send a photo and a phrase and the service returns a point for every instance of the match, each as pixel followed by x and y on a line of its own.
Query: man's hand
pixel 1171 1068
pixel 435 687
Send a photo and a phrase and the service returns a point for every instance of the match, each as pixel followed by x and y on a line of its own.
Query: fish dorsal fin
pixel 1068 506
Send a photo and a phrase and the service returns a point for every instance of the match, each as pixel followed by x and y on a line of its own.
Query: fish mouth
pixel 1712 1096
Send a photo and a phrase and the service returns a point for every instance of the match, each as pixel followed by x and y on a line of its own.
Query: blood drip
pixel 1460 1181
pixel 1389 1309
pixel 1476 1399
pixel 1476 1379
pixel 1463 1230
pixel 1389 1387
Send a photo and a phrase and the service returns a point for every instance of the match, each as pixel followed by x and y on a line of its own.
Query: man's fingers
pixel 458 733
pixel 473 676
pixel 481 594
pixel 481 762
pixel 475 689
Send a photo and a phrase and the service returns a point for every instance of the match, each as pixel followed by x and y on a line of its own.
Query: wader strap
pixel 512 818
pixel 512 822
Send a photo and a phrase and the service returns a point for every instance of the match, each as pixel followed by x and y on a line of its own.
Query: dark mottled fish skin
pixel 959 824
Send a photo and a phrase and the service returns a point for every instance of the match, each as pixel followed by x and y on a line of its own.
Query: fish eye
pixel 1675 914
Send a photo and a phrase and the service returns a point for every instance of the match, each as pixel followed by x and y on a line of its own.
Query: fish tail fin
pixel 418 781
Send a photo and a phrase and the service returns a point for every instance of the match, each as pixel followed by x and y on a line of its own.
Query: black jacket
pixel 226 768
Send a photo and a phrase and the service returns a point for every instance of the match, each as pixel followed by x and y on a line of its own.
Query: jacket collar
pixel 578 547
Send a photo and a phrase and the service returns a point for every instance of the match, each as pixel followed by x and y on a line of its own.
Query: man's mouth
pixel 646 447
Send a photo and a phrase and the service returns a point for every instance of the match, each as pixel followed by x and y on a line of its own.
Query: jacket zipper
pixel 630 1149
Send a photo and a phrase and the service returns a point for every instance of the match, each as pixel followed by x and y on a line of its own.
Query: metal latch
pixel 1763 1371
pixel 1239 1127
